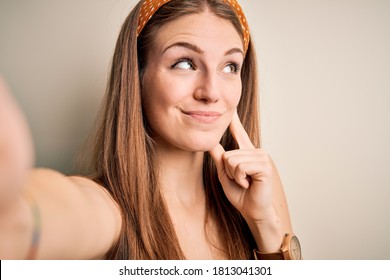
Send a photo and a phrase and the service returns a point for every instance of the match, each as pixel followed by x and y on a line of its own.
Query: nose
pixel 207 89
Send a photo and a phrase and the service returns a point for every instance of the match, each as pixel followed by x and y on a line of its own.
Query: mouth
pixel 203 116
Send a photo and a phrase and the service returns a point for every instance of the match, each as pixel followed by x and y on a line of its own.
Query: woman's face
pixel 192 83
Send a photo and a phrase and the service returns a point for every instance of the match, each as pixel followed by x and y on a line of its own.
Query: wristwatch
pixel 290 250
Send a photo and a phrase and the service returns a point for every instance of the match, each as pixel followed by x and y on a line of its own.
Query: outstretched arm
pixel 67 217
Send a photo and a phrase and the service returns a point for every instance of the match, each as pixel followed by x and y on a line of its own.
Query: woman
pixel 177 172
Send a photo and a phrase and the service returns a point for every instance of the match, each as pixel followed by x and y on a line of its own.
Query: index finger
pixel 217 155
pixel 239 133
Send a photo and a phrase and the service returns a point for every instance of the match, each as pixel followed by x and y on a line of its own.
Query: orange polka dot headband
pixel 149 7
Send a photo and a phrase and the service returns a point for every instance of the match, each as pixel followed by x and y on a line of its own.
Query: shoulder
pixel 95 192
pixel 100 198
pixel 83 187
pixel 105 208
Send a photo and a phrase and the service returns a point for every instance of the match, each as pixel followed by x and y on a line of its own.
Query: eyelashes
pixel 184 64
pixel 232 67
pixel 188 64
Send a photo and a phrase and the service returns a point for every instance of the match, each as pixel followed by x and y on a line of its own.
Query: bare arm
pixel 79 220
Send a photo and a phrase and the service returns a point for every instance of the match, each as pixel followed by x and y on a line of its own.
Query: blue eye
pixel 232 68
pixel 184 64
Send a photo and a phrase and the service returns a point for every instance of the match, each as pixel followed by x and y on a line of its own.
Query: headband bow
pixel 149 7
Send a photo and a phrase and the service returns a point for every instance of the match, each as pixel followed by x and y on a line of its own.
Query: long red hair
pixel 123 157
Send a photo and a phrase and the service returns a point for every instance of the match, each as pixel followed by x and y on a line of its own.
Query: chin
pixel 202 145
pixel 204 148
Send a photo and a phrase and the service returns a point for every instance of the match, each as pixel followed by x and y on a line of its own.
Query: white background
pixel 197 270
pixel 325 102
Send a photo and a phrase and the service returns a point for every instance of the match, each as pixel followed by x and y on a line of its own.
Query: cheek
pixel 233 96
pixel 160 102
pixel 153 97
pixel 236 99
pixel 161 92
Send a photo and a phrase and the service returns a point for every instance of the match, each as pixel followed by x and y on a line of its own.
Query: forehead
pixel 206 30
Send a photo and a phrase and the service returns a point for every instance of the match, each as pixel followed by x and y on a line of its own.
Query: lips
pixel 203 116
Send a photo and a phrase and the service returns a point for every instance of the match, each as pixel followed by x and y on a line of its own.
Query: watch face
pixel 295 249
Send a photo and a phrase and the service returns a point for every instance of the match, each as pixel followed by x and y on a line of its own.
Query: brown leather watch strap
pixel 289 250
pixel 271 256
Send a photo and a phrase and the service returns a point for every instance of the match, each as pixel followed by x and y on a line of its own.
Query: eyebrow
pixel 235 50
pixel 196 49
pixel 186 45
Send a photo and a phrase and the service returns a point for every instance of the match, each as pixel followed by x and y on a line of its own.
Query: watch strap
pixel 271 256
pixel 283 254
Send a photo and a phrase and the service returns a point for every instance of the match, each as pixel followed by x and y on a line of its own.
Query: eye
pixel 184 64
pixel 232 68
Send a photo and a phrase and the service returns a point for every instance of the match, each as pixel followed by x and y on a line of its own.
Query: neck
pixel 181 176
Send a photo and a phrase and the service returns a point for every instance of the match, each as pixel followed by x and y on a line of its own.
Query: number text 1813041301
pixel 242 270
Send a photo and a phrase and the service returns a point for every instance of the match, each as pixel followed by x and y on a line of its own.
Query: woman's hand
pixel 16 147
pixel 16 157
pixel 246 175
pixel 252 185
